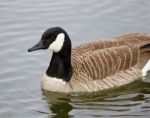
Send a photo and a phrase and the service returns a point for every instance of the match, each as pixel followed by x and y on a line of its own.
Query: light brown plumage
pixel 107 63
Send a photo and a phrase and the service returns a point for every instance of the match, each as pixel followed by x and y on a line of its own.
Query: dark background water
pixel 22 23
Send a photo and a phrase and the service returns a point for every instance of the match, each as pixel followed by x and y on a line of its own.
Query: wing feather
pixel 106 62
pixel 128 39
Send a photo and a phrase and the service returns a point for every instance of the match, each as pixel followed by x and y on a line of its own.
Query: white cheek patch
pixel 58 43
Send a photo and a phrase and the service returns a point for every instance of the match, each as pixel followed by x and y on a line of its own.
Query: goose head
pixel 55 39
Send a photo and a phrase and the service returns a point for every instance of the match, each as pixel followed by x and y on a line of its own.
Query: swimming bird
pixel 93 66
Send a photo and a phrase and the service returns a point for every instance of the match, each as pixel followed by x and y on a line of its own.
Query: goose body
pixel 93 66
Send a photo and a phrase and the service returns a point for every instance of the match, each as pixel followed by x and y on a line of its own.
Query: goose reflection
pixel 59 104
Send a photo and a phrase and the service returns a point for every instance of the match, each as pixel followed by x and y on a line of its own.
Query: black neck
pixel 60 65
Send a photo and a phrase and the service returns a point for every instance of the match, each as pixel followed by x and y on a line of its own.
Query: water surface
pixel 21 24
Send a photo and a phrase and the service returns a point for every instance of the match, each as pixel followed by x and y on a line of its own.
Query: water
pixel 21 24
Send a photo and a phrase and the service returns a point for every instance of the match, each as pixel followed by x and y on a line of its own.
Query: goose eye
pixel 52 37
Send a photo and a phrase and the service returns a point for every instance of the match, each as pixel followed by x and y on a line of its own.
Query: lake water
pixel 22 23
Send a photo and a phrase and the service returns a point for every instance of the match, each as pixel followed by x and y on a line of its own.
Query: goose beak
pixel 38 46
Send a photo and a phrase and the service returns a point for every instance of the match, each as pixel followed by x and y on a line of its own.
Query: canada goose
pixel 93 66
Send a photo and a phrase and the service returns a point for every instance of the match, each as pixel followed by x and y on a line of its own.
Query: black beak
pixel 38 46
